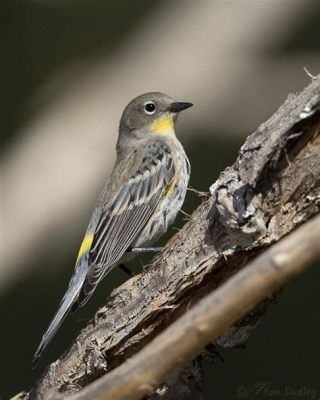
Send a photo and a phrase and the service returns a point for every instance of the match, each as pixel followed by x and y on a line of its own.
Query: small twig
pixel 310 75
pixel 188 216
pixel 198 192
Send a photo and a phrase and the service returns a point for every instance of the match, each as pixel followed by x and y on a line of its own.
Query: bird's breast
pixel 169 206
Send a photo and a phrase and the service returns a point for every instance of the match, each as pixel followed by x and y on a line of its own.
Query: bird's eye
pixel 150 107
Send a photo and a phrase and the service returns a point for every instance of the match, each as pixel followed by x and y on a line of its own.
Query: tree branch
pixel 184 339
pixel 272 188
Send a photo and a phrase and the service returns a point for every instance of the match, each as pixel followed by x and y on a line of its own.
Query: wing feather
pixel 128 213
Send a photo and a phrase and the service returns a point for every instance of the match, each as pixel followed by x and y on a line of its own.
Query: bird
pixel 143 195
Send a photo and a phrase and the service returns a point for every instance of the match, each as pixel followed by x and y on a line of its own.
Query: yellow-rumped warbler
pixel 141 199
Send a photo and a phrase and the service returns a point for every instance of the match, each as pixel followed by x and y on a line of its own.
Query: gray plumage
pixel 141 199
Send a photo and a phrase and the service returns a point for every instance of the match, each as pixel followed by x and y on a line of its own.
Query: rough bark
pixel 182 340
pixel 273 186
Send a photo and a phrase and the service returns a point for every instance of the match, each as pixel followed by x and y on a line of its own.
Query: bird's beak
pixel 178 106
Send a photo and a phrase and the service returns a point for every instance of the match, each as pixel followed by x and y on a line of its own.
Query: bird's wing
pixel 127 213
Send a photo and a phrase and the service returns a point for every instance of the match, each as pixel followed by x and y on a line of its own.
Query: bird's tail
pixel 66 304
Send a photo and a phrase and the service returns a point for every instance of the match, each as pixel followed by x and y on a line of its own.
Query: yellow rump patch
pixel 85 245
pixel 163 125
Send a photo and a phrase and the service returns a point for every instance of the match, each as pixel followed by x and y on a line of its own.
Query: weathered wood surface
pixel 144 373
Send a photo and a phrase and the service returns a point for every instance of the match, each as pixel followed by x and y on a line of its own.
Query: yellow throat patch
pixel 85 245
pixel 163 125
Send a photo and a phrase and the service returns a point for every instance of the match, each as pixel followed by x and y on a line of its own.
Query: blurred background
pixel 68 68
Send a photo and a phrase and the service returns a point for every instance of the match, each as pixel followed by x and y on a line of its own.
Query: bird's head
pixel 151 114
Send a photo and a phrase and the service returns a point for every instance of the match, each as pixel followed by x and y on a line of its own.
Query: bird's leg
pixel 145 249
pixel 138 250
pixel 126 270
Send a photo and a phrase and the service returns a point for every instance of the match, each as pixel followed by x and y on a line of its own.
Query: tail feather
pixel 53 327
pixel 69 300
